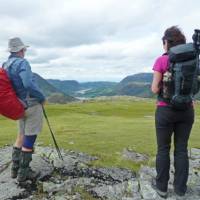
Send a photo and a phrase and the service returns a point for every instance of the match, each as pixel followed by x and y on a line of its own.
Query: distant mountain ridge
pixel 141 77
pixel 138 85
pixel 86 89
pixel 62 91
pixel 67 86
pixel 134 85
pixel 45 86
pixel 52 93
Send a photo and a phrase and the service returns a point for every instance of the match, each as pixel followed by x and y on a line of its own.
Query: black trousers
pixel 169 121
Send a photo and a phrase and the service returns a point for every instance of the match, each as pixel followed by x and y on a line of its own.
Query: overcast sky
pixel 93 40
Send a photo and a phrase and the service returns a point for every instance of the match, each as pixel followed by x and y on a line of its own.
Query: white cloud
pixel 93 39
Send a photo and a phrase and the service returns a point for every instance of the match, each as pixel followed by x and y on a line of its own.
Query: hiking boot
pixel 162 194
pixel 15 161
pixel 25 172
pixel 179 193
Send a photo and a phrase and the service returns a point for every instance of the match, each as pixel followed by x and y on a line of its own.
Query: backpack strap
pixel 160 94
pixel 178 79
pixel 7 65
pixel 195 78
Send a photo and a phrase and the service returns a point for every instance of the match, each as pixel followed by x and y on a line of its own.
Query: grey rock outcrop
pixel 75 179
pixel 129 154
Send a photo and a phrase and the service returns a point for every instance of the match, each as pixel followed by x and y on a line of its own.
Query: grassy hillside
pixel 135 89
pixel 138 78
pixel 103 128
pixel 136 85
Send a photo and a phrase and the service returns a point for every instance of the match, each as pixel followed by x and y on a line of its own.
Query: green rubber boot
pixel 25 172
pixel 15 161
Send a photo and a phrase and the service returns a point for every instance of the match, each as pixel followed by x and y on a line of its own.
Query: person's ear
pixel 165 45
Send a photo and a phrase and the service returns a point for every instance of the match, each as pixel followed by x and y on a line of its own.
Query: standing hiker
pixel 22 79
pixel 168 119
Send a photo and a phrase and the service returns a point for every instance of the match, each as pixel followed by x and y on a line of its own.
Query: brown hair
pixel 174 36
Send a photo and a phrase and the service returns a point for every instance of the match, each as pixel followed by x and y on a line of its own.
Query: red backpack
pixel 10 106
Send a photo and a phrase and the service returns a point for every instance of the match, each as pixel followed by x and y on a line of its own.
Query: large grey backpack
pixel 185 80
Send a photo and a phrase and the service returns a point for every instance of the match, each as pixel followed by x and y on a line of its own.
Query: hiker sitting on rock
pixel 21 76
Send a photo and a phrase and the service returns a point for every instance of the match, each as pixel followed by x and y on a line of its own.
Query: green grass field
pixel 101 128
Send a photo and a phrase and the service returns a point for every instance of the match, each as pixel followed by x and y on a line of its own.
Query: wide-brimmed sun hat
pixel 16 45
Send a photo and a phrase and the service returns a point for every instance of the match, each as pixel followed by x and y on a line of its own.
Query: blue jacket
pixel 22 78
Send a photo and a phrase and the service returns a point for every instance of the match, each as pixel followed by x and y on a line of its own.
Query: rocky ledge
pixel 75 179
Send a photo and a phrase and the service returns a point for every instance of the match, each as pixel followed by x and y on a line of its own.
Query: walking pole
pixel 52 134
